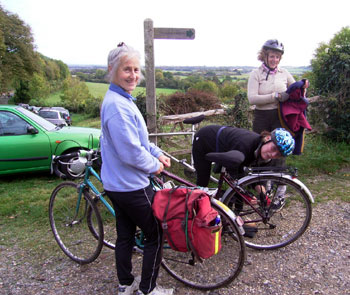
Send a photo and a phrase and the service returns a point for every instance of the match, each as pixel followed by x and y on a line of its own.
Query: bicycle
pixel 252 197
pixel 75 211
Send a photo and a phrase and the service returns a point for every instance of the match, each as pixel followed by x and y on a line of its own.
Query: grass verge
pixel 324 167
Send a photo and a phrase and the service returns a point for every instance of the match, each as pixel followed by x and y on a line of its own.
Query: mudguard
pixel 237 219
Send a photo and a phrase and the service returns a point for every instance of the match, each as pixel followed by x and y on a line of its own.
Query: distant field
pixel 99 89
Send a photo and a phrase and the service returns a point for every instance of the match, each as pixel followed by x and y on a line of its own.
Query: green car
pixel 28 142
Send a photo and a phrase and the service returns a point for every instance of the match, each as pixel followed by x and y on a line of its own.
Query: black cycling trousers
pixel 268 120
pixel 134 209
pixel 202 166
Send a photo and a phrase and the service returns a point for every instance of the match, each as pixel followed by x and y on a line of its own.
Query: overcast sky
pixel 228 32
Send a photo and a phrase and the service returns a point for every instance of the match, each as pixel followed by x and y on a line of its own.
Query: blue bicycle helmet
pixel 274 45
pixel 284 141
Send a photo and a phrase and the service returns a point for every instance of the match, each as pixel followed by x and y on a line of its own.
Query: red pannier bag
pixel 186 216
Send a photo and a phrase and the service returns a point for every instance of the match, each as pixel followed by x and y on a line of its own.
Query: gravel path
pixel 317 263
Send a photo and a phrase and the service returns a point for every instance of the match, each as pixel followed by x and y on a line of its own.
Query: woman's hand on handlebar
pixel 165 160
pixel 161 168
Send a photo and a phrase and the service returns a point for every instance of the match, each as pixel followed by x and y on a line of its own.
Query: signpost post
pixel 150 34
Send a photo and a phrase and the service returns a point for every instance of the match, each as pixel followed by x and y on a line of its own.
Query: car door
pixel 23 147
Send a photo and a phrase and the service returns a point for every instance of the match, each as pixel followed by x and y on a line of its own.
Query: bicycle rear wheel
pixel 108 221
pixel 69 223
pixel 216 271
pixel 281 226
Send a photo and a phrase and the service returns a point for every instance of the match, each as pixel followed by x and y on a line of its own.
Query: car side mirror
pixel 32 130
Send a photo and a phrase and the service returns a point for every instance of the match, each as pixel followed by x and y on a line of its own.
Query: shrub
pixel 206 86
pixel 191 101
pixel 331 75
pixel 239 115
pixel 141 104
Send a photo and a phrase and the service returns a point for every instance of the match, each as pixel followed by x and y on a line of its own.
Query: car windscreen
pixel 49 114
pixel 39 120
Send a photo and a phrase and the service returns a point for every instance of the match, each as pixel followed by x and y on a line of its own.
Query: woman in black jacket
pixel 254 148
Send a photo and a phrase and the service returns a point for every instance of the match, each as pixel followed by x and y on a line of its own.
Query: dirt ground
pixel 317 263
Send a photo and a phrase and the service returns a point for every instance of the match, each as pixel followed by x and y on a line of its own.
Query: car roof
pixel 9 106
pixel 48 109
pixel 61 109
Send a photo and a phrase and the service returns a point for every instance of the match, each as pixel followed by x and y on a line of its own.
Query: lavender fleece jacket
pixel 128 157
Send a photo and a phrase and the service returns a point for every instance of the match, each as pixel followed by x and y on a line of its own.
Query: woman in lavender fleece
pixel 128 158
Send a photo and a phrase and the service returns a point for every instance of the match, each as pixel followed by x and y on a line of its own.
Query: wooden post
pixel 151 108
pixel 151 34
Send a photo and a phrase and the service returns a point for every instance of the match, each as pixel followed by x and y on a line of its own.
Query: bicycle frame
pixel 88 183
pixel 234 185
pixel 285 176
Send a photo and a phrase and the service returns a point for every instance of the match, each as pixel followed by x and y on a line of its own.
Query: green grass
pixel 99 90
pixel 324 168
pixel 54 98
pixel 321 156
pixel 85 120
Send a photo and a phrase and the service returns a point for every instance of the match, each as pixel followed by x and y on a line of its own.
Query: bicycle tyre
pixel 216 271
pixel 69 228
pixel 284 226
pixel 108 221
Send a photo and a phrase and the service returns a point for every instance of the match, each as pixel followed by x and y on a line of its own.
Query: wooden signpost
pixel 171 33
pixel 150 34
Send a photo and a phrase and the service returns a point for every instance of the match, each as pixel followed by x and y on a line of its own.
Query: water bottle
pixel 217 220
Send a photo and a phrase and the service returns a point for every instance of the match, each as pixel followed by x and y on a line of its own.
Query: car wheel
pixel 73 167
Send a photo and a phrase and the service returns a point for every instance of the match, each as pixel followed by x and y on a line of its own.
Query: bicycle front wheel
pixel 109 223
pixel 69 223
pixel 269 226
pixel 216 271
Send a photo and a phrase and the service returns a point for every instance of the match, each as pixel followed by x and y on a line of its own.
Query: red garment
pixel 293 111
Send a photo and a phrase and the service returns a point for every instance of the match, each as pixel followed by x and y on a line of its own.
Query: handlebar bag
pixel 187 220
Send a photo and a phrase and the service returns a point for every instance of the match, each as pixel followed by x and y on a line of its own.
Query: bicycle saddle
pixel 227 159
pixel 194 120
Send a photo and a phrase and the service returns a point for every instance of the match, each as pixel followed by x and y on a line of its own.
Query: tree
pixel 18 59
pixel 76 94
pixel 228 91
pixel 100 74
pixel 206 86
pixel 38 87
pixel 331 78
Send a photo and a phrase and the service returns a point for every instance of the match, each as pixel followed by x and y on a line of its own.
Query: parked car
pixel 28 142
pixel 65 113
pixel 52 115
pixel 34 109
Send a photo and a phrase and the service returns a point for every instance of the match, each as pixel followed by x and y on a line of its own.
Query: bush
pixel 206 86
pixel 76 96
pixel 93 106
pixel 228 91
pixel 331 75
pixel 239 115
pixel 191 101
pixel 141 104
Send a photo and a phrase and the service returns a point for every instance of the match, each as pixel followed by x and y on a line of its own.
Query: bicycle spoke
pixel 215 271
pixel 273 228
pixel 108 220
pixel 69 223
